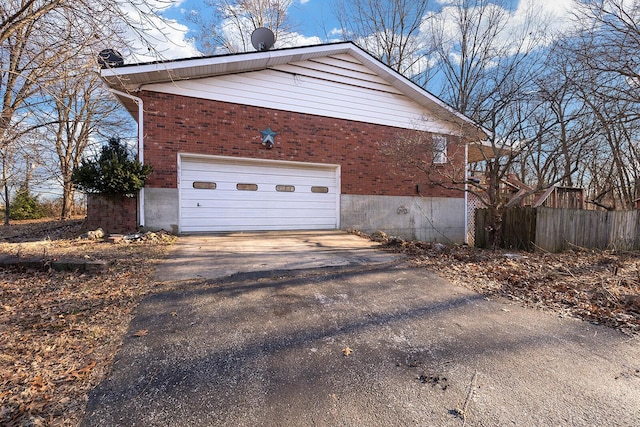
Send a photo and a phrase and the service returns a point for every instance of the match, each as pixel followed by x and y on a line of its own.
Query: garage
pixel 231 194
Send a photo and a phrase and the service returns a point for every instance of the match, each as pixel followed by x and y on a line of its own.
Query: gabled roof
pixel 132 78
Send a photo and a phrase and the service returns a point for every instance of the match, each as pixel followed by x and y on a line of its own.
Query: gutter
pixel 140 105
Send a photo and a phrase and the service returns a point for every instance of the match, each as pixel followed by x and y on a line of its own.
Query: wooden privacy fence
pixel 555 230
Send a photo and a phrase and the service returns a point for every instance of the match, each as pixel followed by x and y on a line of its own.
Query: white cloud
pixel 557 14
pixel 167 37
pixel 532 21
pixel 297 39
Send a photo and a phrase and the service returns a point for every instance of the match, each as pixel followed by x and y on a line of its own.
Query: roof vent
pixel 262 39
pixel 109 58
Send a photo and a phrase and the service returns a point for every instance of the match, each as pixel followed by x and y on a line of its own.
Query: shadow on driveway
pixel 267 349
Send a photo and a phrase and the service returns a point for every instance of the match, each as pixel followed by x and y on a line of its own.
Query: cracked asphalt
pixel 256 335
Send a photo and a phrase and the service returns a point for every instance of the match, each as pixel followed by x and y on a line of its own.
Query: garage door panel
pixel 226 224
pixel 249 209
pixel 268 173
pixel 262 227
pixel 204 207
pixel 243 194
pixel 198 219
pixel 298 191
pixel 263 183
pixel 262 197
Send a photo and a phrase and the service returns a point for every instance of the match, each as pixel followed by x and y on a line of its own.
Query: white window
pixel 439 149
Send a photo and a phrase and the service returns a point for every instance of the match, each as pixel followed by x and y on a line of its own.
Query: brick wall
pixel 176 124
pixel 114 214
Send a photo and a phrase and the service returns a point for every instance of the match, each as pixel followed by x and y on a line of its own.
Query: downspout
pixel 466 194
pixel 140 105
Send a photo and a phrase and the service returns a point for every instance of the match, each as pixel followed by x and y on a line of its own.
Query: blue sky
pixel 316 21
pixel 312 15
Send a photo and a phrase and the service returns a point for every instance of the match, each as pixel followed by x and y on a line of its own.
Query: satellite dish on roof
pixel 262 39
pixel 109 58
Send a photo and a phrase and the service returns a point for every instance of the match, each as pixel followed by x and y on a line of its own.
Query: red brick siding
pixel 176 123
pixel 114 214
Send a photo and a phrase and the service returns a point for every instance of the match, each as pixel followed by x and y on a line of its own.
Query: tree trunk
pixel 67 200
pixel 7 211
pixel 495 233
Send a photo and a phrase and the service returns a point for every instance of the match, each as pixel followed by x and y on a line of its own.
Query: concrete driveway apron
pixel 223 255
pixel 315 329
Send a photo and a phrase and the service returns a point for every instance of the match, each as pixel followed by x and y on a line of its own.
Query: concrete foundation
pixel 430 219
pixel 161 209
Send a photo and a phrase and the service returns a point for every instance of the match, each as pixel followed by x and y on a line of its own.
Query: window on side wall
pixel 439 149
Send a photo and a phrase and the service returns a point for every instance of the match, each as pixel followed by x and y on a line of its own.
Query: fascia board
pixel 134 76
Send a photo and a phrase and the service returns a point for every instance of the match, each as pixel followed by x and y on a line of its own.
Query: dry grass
pixel 61 330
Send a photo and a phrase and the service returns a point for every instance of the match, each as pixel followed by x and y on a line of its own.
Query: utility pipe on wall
pixel 466 193
pixel 140 105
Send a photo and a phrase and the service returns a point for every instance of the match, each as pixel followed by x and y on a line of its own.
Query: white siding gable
pixel 336 86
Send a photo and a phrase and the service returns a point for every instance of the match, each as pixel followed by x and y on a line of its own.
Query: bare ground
pixel 61 330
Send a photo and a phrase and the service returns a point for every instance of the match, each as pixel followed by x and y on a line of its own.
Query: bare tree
pixel 604 50
pixel 25 68
pixel 7 156
pixel 15 14
pixel 48 54
pixel 567 130
pixel 610 45
pixel 389 30
pixel 487 67
pixel 78 107
pixel 232 22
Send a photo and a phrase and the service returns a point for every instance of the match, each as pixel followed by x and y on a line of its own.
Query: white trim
pixel 140 105
pixel 179 172
pixel 338 194
pixel 227 63
pixel 230 159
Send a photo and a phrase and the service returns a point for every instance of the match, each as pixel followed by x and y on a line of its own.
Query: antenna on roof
pixel 262 39
pixel 109 58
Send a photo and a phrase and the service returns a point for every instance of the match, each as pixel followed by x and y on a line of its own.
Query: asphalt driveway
pixel 294 340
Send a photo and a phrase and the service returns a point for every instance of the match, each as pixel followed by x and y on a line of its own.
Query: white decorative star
pixel 268 137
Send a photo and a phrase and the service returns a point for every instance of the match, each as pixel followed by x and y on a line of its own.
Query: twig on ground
pixel 470 392
pixel 569 271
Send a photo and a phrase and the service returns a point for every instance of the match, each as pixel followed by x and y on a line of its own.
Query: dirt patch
pixel 62 329
pixel 602 287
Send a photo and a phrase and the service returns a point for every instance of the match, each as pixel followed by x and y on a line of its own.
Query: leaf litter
pixel 601 287
pixel 61 329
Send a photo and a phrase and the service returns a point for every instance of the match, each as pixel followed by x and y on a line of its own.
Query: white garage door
pixel 228 194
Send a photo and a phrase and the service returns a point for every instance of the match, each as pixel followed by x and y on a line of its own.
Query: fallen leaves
pixel 61 330
pixel 347 351
pixel 597 286
pixel 141 333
